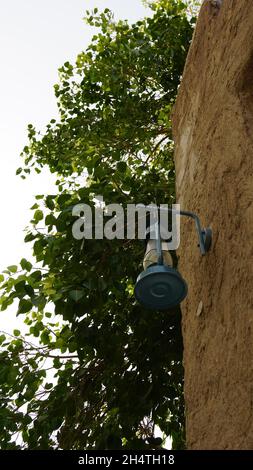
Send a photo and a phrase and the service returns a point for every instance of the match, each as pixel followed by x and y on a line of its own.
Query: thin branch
pixel 24 341
pixel 55 357
pixel 156 147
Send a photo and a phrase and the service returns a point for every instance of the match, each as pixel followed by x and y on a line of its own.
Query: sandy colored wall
pixel 213 130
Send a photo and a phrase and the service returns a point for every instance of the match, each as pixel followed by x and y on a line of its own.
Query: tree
pixel 117 368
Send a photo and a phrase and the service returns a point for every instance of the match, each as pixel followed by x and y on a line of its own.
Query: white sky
pixel 36 37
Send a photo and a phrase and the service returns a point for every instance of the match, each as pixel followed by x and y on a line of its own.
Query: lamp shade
pixel 160 287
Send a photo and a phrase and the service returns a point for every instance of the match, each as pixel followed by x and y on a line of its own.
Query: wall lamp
pixel 160 286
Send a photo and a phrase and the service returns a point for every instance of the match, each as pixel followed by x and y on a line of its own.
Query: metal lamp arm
pixel 204 234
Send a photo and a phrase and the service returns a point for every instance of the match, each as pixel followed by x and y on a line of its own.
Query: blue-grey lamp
pixel 160 286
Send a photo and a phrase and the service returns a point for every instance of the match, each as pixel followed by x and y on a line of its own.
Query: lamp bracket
pixel 204 234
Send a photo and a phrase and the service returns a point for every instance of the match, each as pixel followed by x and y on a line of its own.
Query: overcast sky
pixel 36 37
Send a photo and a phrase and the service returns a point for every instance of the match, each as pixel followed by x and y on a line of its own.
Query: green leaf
pixel 77 295
pixel 12 268
pixel 48 386
pixel 26 265
pixel 44 337
pixel 57 363
pixel 36 275
pixel 24 306
pixel 2 339
pixel 50 219
pixel 12 374
pixel 35 206
pixel 29 237
pixel 122 167
pixel 50 202
pixel 38 215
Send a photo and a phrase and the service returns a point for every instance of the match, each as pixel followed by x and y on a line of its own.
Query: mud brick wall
pixel 213 131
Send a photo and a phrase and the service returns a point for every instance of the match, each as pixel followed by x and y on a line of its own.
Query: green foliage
pixel 117 367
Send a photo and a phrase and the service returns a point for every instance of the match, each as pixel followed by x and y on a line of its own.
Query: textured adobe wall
pixel 213 130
